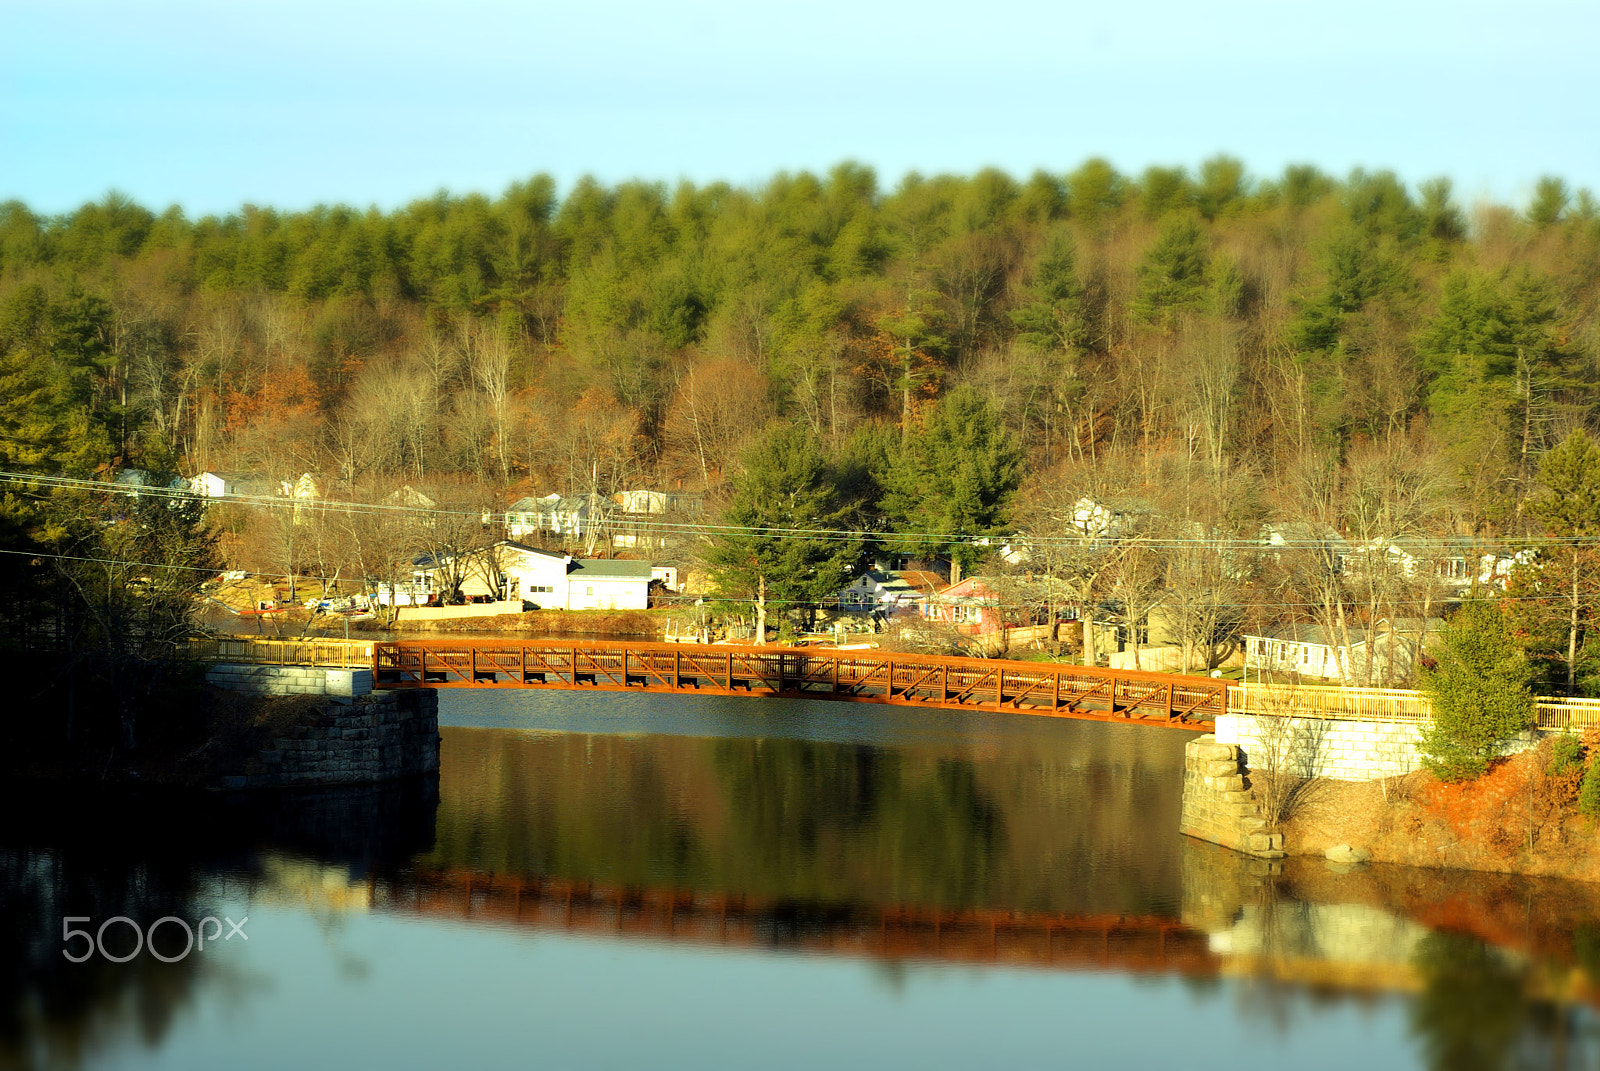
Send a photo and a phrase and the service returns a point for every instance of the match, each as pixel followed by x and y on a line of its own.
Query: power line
pixel 635 524
pixel 690 600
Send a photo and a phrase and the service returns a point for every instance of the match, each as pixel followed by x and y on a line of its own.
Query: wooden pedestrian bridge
pixel 804 673
pixel 1052 689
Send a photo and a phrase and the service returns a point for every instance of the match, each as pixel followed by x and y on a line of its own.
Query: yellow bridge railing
pixel 274 651
pixel 1553 713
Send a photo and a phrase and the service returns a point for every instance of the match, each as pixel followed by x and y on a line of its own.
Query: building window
pixel 589 590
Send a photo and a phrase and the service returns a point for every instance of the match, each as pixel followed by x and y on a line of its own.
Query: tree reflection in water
pixel 144 858
pixel 1082 825
pixel 54 1012
pixel 1475 1012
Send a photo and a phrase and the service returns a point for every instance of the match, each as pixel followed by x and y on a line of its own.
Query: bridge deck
pixel 1050 689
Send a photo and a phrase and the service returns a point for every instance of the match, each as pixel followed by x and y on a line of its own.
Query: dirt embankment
pixel 1519 818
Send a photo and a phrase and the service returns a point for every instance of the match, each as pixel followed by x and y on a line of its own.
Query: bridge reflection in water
pixel 971 935
pixel 1241 919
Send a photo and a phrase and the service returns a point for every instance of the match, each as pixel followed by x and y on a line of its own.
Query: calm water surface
pixel 603 880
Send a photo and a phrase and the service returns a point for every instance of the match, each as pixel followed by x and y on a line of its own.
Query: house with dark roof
pixel 608 584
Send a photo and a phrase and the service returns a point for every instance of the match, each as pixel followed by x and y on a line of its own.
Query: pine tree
pixel 785 489
pixel 955 478
pixel 1479 693
pixel 1050 313
pixel 1173 274
pixel 1569 508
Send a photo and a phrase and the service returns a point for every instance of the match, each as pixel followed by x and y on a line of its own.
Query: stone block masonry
pixel 1345 750
pixel 290 680
pixel 1217 805
pixel 345 740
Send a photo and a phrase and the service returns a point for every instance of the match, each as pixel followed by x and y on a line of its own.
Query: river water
pixel 619 881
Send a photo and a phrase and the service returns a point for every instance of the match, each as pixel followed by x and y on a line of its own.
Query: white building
pixel 1313 651
pixel 212 484
pixel 608 584
pixel 550 513
pixel 890 590
pixel 542 578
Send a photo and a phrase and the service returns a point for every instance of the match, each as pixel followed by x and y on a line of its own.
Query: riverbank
pixel 1518 818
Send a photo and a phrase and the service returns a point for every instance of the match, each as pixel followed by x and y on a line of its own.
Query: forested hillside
pixel 1240 321
pixel 1349 352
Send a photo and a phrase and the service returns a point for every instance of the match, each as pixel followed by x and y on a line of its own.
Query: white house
pixel 608 584
pixel 211 484
pixel 1308 650
pixel 1447 562
pixel 551 513
pixel 1300 535
pixel 418 591
pixel 1313 651
pixel 542 578
pixel 1494 570
pixel 1108 520
pixel 890 591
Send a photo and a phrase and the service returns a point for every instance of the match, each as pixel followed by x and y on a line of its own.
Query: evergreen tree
pixel 1172 276
pixel 1478 689
pixel 764 557
pixel 1569 509
pixel 1163 190
pixel 1499 361
pixel 1221 187
pixel 955 478
pixel 1550 200
pixel 1050 312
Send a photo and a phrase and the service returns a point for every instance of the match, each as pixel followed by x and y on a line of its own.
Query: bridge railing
pixel 812 672
pixel 286 651
pixel 1552 713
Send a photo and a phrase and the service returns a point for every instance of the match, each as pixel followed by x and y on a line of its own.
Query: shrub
pixel 1589 792
pixel 1479 692
pixel 1566 755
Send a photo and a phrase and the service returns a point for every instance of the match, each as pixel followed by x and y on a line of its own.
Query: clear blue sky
pixel 210 105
